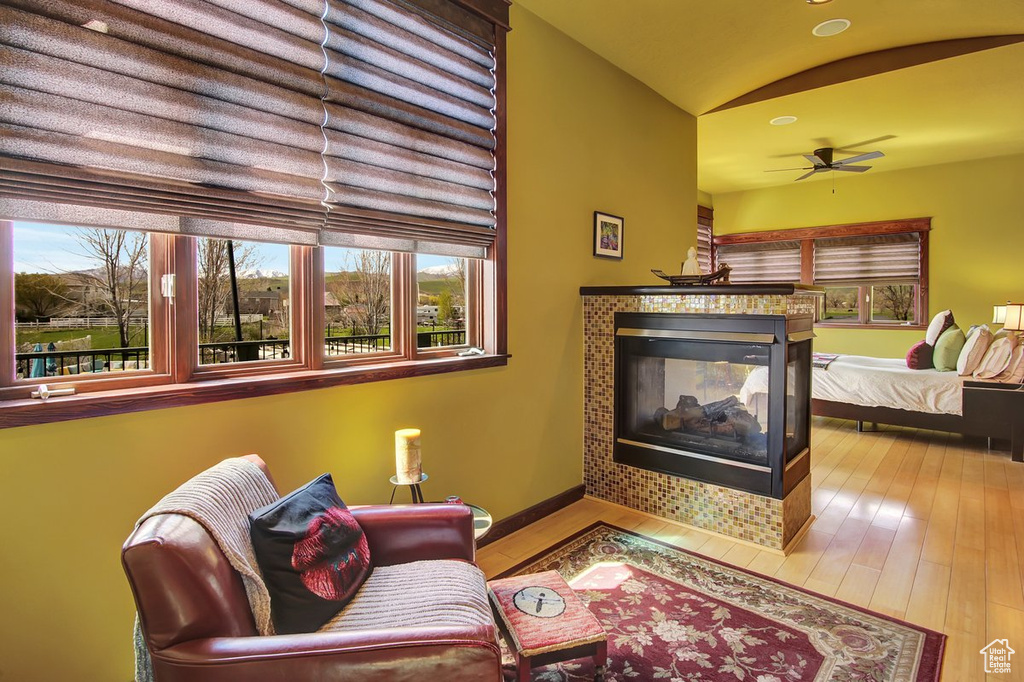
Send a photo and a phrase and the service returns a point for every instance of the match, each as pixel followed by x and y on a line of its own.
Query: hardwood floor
pixel 920 525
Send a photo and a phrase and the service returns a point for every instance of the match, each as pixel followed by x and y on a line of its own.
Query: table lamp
pixel 998 314
pixel 1013 319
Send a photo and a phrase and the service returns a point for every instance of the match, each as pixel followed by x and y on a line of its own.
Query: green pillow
pixel 947 349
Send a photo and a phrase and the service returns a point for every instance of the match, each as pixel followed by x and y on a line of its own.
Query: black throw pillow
pixel 312 553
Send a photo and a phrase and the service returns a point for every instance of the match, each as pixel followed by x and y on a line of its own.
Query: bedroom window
pixel 277 137
pixel 874 274
pixel 705 234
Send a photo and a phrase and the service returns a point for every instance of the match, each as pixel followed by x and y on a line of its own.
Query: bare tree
pixel 834 299
pixel 120 280
pixel 215 281
pixel 365 290
pixel 898 299
pixel 458 279
pixel 40 295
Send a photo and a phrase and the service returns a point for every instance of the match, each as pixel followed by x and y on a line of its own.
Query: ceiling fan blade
pixel 852 148
pixel 807 175
pixel 780 170
pixel 861 157
pixel 852 169
pixel 814 160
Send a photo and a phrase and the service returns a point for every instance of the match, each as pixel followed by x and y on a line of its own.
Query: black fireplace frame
pixel 779 333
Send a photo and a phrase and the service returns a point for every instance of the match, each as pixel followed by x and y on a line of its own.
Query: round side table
pixel 414 489
pixel 482 521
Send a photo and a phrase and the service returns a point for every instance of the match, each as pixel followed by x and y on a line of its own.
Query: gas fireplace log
pixel 726 418
pixel 686 416
pixel 718 410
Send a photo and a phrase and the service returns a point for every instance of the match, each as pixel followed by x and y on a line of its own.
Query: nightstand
pixel 997 410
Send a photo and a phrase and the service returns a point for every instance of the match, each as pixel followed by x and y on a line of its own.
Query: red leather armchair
pixel 198 625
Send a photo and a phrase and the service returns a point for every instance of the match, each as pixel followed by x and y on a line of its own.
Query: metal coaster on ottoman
pixel 546 622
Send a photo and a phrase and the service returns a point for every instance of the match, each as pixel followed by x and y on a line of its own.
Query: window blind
pixel 364 122
pixel 761 262
pixel 889 258
pixel 705 220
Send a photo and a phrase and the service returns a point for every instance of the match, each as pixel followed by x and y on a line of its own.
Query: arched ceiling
pixel 919 105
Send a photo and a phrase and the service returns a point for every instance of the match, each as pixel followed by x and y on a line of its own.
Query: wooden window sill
pixel 872 325
pixel 26 412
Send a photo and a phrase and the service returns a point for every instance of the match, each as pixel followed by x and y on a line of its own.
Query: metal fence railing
pixel 52 363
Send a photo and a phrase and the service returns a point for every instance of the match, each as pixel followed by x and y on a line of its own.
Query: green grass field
pixel 102 337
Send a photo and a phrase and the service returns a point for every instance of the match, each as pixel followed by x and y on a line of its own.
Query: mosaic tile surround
pixel 761 520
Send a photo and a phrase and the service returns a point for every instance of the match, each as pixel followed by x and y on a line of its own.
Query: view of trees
pixel 40 295
pixel 895 301
pixel 362 289
pixel 118 286
pixel 106 275
pixel 214 279
pixel 892 302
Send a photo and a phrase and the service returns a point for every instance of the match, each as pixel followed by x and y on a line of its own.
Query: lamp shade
pixel 1014 314
pixel 998 314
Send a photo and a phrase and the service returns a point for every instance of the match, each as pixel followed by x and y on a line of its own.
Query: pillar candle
pixel 407 456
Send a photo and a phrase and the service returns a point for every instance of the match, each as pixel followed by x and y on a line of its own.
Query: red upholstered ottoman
pixel 546 622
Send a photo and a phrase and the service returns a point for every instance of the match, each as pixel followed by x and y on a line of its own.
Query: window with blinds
pixel 705 233
pixel 871 258
pixel 344 122
pixel 373 128
pixel 871 273
pixel 762 262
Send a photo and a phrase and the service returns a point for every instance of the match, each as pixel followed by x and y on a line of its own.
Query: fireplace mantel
pixel 770 289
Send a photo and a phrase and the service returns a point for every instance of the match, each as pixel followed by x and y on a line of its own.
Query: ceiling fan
pixel 822 162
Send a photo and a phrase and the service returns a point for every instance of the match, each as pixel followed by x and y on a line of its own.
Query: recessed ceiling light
pixel 831 27
pixel 783 120
pixel 817 2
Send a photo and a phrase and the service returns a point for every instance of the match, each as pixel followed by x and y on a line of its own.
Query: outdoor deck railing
pixel 49 363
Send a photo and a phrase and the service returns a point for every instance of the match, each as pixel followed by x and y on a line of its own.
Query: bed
pixel 883 391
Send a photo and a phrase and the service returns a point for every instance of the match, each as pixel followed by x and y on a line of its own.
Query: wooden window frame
pixel 806 237
pixel 177 379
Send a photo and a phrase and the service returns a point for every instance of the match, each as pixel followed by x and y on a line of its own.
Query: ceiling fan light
pixel 831 27
pixel 783 120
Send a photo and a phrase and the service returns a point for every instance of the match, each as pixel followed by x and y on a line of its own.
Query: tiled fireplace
pixel 632 462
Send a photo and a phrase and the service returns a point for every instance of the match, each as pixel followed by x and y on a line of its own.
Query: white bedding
pixel 875 382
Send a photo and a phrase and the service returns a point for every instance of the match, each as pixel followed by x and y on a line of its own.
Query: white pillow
pixel 940 323
pixel 1014 372
pixel 974 350
pixel 997 358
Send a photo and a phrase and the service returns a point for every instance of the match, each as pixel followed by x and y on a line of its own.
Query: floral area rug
pixel 673 615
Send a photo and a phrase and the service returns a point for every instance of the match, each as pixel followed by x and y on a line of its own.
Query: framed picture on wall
pixel 608 235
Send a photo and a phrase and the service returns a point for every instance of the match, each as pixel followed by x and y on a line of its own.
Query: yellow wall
pixel 582 136
pixel 977 212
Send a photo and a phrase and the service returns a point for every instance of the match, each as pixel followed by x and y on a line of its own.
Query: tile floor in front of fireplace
pixel 920 525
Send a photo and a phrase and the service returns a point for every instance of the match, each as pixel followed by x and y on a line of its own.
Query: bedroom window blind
pixel 761 262
pixel 872 258
pixel 705 233
pixel 363 123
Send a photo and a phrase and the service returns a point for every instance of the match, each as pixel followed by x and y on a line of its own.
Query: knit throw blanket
pixel 220 499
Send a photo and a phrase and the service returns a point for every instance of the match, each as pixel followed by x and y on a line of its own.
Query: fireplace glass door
pixel 689 395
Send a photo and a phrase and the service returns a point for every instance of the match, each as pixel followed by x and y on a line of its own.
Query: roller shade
pixel 762 262
pixel 888 258
pixel 366 122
